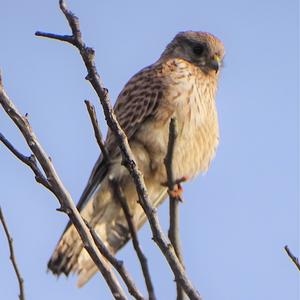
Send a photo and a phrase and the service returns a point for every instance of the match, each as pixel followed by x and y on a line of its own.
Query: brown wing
pixel 138 101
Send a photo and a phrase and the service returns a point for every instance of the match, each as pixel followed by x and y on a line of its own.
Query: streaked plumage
pixel 182 83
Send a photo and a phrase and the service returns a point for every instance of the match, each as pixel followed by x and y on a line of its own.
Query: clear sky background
pixel 237 218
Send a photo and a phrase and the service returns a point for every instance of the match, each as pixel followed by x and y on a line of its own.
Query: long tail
pixel 69 255
pixel 66 253
pixel 106 216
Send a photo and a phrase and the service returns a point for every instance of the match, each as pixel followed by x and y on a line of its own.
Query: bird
pixel 181 84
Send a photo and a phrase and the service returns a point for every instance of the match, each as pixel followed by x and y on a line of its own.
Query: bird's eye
pixel 198 50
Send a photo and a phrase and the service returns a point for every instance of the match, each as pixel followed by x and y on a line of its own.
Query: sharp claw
pixel 176 194
pixel 177 191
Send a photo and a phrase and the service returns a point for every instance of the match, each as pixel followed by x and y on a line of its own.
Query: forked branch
pixel 118 194
pixel 117 264
pixel 30 161
pixel 53 183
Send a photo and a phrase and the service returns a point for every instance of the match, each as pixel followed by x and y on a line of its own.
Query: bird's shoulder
pixel 154 81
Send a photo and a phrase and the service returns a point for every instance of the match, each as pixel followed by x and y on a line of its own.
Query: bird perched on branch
pixel 181 84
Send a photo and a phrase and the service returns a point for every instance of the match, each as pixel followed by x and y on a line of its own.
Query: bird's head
pixel 199 48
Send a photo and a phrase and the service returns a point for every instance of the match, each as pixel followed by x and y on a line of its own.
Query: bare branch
pixel 92 112
pixel 159 237
pixel 74 39
pixel 61 193
pixel 169 157
pixel 28 160
pixel 118 193
pixel 294 259
pixel 117 264
pixel 175 198
pixel 12 257
pixel 62 38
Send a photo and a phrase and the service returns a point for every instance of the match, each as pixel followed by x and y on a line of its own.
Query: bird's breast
pixel 198 134
pixel 198 131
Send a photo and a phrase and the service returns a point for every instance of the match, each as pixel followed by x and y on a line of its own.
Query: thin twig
pixel 173 232
pixel 88 56
pixel 62 38
pixel 117 264
pixel 13 257
pixel 92 112
pixel 28 160
pixel 294 258
pixel 105 252
pixel 118 193
pixel 168 161
pixel 61 193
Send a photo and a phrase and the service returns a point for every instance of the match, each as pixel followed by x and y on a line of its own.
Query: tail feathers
pixel 111 226
pixel 65 257
pixel 87 268
pixel 64 260
pixel 70 256
pixel 66 263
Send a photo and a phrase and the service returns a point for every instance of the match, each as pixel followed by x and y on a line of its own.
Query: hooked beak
pixel 215 63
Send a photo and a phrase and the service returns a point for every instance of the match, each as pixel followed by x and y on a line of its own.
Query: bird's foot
pixel 177 191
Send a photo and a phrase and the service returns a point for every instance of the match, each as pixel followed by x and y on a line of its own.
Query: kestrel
pixel 182 83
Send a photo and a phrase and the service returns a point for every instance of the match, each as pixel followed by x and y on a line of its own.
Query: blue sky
pixel 237 218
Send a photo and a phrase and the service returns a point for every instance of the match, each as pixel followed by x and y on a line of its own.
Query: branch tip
pixel 12 256
pixel 294 259
pixel 61 209
pixel 97 132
